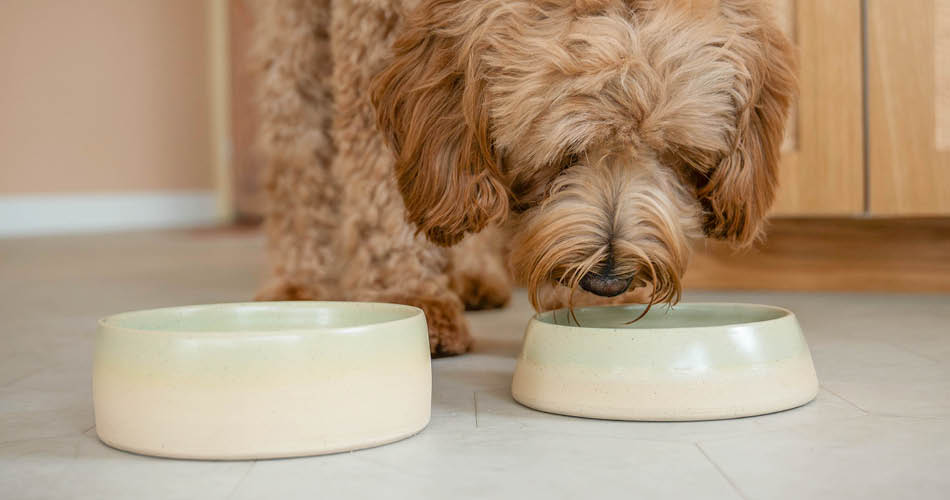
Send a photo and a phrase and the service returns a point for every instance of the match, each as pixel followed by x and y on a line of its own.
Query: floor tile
pixel 496 465
pixel 56 401
pixel 99 472
pixel 32 469
pixel 883 379
pixel 860 458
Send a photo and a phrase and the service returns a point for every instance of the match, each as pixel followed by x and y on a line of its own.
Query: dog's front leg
pixel 292 60
pixel 389 264
pixel 381 257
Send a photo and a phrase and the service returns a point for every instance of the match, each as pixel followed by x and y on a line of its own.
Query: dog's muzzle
pixel 605 285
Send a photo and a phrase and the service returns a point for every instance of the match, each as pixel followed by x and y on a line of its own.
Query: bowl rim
pixel 786 314
pixel 108 322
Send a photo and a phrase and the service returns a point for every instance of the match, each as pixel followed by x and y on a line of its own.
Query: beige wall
pixel 104 95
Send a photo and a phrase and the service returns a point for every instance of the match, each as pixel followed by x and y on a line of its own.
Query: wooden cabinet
pixel 870 136
pixel 822 170
pixel 908 71
pixel 871 132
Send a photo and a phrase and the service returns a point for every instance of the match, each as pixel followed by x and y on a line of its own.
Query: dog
pixel 428 152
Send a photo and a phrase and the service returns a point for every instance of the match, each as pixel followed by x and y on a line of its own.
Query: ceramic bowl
pixel 261 380
pixel 691 362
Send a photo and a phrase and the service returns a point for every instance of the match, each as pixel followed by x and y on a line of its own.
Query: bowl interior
pixel 262 316
pixel 661 317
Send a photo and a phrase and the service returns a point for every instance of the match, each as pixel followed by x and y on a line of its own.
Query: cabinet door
pixel 909 106
pixel 822 169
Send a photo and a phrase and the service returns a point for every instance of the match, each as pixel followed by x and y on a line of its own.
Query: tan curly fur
pixel 600 135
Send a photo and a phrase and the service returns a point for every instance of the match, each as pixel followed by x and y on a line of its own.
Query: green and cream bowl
pixel 690 362
pixel 261 380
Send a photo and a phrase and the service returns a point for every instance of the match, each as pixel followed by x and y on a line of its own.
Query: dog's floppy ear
pixel 429 105
pixel 739 190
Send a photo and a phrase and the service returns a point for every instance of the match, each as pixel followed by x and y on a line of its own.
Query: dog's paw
pixel 478 274
pixel 484 290
pixel 448 331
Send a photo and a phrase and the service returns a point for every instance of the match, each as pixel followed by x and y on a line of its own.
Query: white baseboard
pixel 42 214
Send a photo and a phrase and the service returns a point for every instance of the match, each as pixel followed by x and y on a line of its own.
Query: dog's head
pixel 610 132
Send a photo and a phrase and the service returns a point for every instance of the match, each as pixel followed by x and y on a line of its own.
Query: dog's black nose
pixel 605 285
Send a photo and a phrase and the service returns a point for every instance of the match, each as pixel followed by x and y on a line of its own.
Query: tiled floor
pixel 880 427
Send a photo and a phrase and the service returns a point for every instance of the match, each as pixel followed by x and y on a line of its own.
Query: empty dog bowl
pixel 691 362
pixel 261 380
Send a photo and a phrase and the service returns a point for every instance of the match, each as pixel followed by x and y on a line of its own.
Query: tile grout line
pixel 475 404
pixel 911 352
pixel 27 375
pixel 43 438
pixel 911 417
pixel 846 400
pixel 721 472
pixel 241 481
pixel 729 437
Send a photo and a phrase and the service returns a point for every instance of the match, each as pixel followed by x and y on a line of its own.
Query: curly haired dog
pixel 412 144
